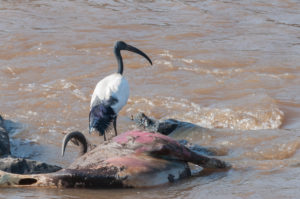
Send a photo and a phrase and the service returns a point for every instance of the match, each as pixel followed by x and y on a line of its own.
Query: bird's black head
pixel 121 45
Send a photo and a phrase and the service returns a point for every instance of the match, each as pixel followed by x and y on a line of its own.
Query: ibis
pixel 111 94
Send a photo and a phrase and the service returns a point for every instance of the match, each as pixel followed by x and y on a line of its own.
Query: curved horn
pixel 78 136
pixel 121 45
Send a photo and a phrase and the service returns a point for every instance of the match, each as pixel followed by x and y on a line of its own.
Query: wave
pixel 252 112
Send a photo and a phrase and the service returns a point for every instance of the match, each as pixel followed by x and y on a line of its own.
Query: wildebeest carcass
pixel 132 159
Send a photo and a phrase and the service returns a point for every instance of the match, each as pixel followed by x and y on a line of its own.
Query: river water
pixel 230 66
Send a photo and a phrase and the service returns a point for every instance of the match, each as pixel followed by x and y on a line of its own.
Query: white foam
pixel 189 61
pixel 79 94
pixel 215 71
pixel 27 87
pixel 166 53
pixel 163 62
pixel 260 115
pixel 74 89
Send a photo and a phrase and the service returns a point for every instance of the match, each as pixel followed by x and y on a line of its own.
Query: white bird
pixel 111 94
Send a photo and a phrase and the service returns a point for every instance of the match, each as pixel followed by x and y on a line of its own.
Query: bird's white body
pixel 114 85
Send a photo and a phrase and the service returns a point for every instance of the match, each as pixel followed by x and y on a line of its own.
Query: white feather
pixel 114 85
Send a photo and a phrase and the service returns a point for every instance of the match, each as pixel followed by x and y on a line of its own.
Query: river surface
pixel 230 66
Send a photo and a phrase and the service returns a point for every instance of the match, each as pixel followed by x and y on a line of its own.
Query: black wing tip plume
pixel 90 126
pixel 104 124
pixel 79 137
pixel 101 117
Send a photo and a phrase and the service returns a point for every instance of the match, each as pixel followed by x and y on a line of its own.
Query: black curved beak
pixel 135 50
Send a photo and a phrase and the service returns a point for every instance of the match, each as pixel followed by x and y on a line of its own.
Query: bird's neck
pixel 120 60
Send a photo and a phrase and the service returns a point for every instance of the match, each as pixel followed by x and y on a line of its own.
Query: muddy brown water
pixel 230 66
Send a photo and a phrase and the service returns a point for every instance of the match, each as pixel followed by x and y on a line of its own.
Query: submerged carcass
pixel 132 159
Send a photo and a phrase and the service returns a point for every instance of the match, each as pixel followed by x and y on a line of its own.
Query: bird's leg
pixel 115 125
pixel 104 137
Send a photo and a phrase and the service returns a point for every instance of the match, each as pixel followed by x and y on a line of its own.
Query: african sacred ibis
pixel 111 94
